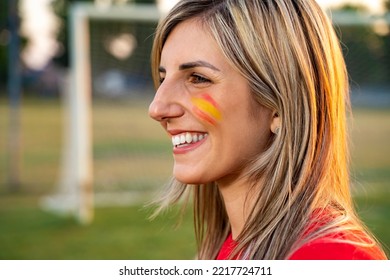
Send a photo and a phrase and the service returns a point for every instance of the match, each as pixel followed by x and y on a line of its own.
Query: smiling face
pixel 207 109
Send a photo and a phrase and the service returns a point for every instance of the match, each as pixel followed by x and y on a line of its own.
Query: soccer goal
pixel 110 48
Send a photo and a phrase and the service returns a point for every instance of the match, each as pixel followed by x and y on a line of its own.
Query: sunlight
pixel 40 26
pixel 374 6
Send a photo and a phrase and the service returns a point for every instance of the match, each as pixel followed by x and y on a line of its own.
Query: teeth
pixel 182 138
pixel 187 138
pixel 176 140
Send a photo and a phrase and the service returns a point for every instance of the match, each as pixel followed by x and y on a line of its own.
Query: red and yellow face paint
pixel 206 108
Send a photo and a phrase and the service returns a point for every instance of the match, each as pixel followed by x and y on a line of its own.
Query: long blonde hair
pixel 291 57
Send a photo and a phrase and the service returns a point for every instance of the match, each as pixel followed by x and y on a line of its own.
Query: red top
pixel 322 248
pixel 227 248
pixel 332 247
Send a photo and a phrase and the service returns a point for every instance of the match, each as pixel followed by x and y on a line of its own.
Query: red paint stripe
pixel 210 99
pixel 204 116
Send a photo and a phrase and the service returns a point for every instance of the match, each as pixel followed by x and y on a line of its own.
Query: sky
pixel 40 26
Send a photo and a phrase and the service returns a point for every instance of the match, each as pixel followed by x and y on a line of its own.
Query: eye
pixel 161 79
pixel 198 79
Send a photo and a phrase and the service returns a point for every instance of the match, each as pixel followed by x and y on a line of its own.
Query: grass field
pixel 132 153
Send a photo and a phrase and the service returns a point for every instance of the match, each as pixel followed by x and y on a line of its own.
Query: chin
pixel 189 178
pixel 193 173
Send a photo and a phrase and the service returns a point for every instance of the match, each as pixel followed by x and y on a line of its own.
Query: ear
pixel 275 123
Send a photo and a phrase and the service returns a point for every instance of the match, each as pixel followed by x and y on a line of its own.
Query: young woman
pixel 253 94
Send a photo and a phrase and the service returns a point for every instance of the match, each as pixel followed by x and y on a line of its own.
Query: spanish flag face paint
pixel 206 108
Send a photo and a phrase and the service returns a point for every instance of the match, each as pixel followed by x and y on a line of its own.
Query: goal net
pixel 365 42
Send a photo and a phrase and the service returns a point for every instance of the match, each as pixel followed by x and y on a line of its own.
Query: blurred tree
pixel 364 50
pixel 386 39
pixel 353 7
pixel 387 5
pixel 61 8
pixel 145 1
pixel 4 38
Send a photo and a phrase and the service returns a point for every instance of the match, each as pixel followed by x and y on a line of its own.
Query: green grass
pixel 116 233
pixel 130 149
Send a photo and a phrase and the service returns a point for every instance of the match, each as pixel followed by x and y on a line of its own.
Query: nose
pixel 165 105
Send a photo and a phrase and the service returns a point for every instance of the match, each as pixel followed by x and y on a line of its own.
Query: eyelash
pixel 198 79
pixel 194 78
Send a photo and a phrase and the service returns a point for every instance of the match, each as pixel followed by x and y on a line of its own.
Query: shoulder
pixel 349 241
pixel 326 248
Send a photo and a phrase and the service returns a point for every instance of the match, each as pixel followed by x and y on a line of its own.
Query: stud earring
pixel 276 131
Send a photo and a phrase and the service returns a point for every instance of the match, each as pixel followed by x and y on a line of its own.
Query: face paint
pixel 206 108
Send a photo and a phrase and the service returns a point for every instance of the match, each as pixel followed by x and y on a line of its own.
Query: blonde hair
pixel 291 57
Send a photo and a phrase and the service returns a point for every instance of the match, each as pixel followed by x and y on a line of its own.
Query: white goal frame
pixel 74 194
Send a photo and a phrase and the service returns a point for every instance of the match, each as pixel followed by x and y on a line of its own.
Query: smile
pixel 187 138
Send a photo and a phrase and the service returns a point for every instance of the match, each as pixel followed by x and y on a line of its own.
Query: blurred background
pixel 43 43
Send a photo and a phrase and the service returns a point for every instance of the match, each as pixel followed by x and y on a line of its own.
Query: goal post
pixel 75 194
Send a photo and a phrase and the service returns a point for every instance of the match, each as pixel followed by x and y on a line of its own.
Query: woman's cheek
pixel 206 109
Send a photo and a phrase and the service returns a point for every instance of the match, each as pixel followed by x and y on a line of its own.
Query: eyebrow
pixel 190 65
pixel 198 63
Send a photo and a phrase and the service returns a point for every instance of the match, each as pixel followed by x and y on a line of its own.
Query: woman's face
pixel 206 107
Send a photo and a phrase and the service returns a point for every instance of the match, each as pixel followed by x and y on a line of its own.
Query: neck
pixel 237 202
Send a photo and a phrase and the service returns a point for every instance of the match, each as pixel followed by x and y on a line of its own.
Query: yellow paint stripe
pixel 207 107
